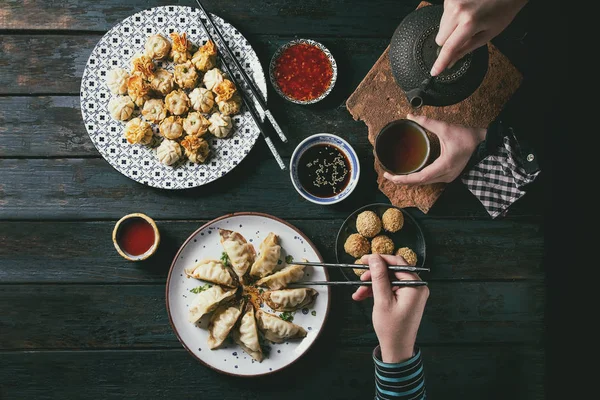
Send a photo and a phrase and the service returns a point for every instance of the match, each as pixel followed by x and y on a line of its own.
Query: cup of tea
pixel 403 147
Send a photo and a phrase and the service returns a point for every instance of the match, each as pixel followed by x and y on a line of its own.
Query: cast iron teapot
pixel 412 53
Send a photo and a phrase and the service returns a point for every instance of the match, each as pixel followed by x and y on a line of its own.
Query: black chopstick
pixel 247 104
pixel 396 268
pixel 356 283
pixel 249 82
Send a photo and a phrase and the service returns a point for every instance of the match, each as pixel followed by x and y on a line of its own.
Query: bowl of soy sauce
pixel 324 169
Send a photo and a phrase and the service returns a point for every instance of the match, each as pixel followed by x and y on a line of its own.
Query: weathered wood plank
pixel 34 252
pixel 490 372
pixel 92 189
pixel 134 316
pixel 310 17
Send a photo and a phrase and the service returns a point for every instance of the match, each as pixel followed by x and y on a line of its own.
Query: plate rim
pixel 238 214
pixel 404 212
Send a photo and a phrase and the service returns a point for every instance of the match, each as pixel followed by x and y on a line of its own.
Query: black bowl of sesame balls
pixel 379 228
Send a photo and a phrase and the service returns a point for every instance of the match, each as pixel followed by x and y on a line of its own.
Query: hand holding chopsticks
pixel 357 283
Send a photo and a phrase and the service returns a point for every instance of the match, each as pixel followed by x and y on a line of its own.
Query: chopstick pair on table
pixel 392 268
pixel 256 96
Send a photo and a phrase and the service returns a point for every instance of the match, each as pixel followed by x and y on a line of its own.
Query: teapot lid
pixel 413 52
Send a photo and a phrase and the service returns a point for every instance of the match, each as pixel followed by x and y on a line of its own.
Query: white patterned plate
pixel 115 50
pixel 205 243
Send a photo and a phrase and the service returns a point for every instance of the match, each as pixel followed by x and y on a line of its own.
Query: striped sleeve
pixel 401 381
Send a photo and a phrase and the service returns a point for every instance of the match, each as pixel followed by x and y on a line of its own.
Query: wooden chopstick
pixel 403 268
pixel 249 82
pixel 356 283
pixel 247 104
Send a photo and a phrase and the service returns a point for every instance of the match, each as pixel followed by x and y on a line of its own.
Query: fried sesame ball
pixel 382 245
pixel 356 245
pixel 357 271
pixel 393 220
pixel 408 255
pixel 368 224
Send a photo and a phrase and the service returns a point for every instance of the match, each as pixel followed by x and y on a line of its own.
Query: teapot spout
pixel 416 97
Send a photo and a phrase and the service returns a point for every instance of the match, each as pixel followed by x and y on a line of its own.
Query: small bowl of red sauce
pixel 303 71
pixel 136 237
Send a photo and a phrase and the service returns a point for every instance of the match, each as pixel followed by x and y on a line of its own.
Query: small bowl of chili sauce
pixel 136 237
pixel 303 71
pixel 324 169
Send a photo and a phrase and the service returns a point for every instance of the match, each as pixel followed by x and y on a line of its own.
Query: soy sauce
pixel 135 236
pixel 324 170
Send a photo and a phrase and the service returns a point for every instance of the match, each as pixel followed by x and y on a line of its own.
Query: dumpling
pixel 224 90
pixel 138 89
pixel 180 50
pixel 289 299
pixel 241 253
pixel 196 149
pixel 280 279
pixel 231 106
pixel 169 152
pixel 116 80
pixel 121 108
pixel 138 131
pixel 220 125
pixel 202 100
pixel 195 124
pixel 212 78
pixel 212 271
pixel 186 75
pixel 157 47
pixel 171 127
pixel 206 57
pixel 277 330
pixel 221 323
pixel 143 66
pixel 154 110
pixel 177 102
pixel 246 334
pixel 207 301
pixel 270 250
pixel 162 81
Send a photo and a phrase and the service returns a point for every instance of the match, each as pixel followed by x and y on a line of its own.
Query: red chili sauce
pixel 303 72
pixel 135 236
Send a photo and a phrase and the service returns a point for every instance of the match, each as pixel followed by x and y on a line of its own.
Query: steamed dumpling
pixel 281 279
pixel 270 250
pixel 162 81
pixel 196 149
pixel 177 102
pixel 154 110
pixel 143 66
pixel 207 301
pixel 212 78
pixel 180 50
pixel 186 75
pixel 138 131
pixel 202 100
pixel 231 106
pixel 138 89
pixel 121 108
pixel 169 152
pixel 213 271
pixel 195 124
pixel 116 80
pixel 246 334
pixel 277 330
pixel 289 299
pixel 206 57
pixel 220 125
pixel 241 253
pixel 157 47
pixel 221 323
pixel 171 127
pixel 224 90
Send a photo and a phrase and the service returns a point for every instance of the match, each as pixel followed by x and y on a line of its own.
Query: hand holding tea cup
pixel 457 144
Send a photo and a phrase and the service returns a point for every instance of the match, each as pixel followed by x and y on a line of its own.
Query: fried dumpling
pixel 213 271
pixel 222 322
pixel 121 108
pixel 241 253
pixel 202 100
pixel 289 299
pixel 169 152
pixel 171 127
pixel 180 50
pixel 280 279
pixel 138 89
pixel 231 106
pixel 269 250
pixel 220 125
pixel 186 75
pixel 212 78
pixel 138 132
pixel 206 56
pixel 116 80
pixel 277 330
pixel 196 149
pixel 143 66
pixel 224 90
pixel 207 301
pixel 154 110
pixel 157 47
pixel 246 334
pixel 177 102
pixel 162 81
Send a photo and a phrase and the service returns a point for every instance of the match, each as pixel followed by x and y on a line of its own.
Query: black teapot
pixel 413 51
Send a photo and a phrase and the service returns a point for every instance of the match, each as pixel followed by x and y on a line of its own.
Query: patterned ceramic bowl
pixel 287 46
pixel 345 149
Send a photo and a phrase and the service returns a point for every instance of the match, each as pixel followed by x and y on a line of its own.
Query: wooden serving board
pixel 378 100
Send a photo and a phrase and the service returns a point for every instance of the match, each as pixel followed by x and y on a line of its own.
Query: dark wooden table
pixel 77 321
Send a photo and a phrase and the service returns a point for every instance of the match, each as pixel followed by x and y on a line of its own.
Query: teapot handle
pixel 415 96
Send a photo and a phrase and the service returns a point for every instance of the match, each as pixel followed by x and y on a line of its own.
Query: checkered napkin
pixel 498 180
